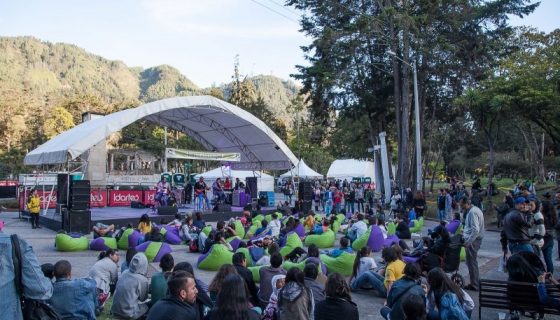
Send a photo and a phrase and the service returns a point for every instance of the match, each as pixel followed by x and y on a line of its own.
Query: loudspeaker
pixel 305 191
pixel 167 211
pixel 222 208
pixel 76 221
pixel 251 187
pixel 79 198
pixel 62 188
pixel 137 205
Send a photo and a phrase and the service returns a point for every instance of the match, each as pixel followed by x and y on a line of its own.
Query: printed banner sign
pixel 149 197
pixel 98 198
pixel 202 155
pixel 122 198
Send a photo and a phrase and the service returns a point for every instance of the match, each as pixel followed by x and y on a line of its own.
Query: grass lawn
pixel 106 310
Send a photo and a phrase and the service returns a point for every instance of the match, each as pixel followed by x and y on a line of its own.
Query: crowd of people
pixel 411 278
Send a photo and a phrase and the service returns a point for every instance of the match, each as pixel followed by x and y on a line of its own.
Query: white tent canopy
pixel 216 124
pixel 350 168
pixel 265 182
pixel 302 170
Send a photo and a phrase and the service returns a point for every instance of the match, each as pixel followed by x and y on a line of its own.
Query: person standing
pixel 472 237
pixel 515 233
pixel 34 207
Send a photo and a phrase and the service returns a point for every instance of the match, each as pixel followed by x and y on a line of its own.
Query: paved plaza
pixel 42 241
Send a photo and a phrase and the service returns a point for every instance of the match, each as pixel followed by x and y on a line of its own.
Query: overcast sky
pixel 199 37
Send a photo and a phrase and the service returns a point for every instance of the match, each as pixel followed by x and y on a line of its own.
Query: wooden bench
pixel 510 295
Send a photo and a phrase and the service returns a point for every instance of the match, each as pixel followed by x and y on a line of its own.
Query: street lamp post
pixel 417 119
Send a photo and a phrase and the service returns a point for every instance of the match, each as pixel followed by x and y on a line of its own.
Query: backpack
pixel 451 308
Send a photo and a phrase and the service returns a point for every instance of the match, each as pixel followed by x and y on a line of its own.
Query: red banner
pixel 122 198
pixel 8 183
pixel 98 198
pixel 149 197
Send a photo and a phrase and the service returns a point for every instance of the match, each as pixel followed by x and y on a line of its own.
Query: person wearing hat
pixel 515 233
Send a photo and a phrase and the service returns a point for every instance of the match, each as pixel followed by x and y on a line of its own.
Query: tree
pixel 57 122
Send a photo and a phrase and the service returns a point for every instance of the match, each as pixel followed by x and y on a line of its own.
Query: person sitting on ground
pixel 309 222
pixel 409 284
pixel 202 298
pixel 199 223
pixel 363 263
pixel 158 283
pixel 218 280
pixel 277 283
pixel 266 274
pixel 263 230
pixel 145 225
pixel 320 228
pixel 544 298
pixel 240 263
pixel 380 221
pixel 265 259
pixel 181 301
pixel 105 272
pixel 311 271
pixel 443 292
pixel 176 222
pixel 103 230
pixel 275 225
pixel 338 303
pixel 295 300
pixel 414 307
pixel 357 229
pixel 233 301
pixel 344 247
pixel 48 270
pixel 403 231
pixel 73 298
pixel 130 252
pixel 131 293
pixel 382 284
pixel 154 235
pixel 289 226
pixel 189 232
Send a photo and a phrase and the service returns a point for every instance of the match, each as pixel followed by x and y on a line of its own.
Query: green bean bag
pixel 215 258
pixel 325 240
pixel 206 230
pixel 391 228
pixel 340 218
pixel 292 241
pixel 67 243
pixel 154 250
pixel 268 217
pixel 259 217
pixel 247 255
pixel 336 226
pixel 255 271
pixel 463 254
pixel 361 241
pixel 103 244
pixel 342 264
pixel 287 265
pixel 239 229
pixel 251 232
pixel 418 224
pixel 123 240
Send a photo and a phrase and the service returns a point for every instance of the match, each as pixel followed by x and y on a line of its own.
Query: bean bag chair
pixel 391 228
pixel 418 224
pixel 239 229
pixel 325 240
pixel 335 226
pixel 453 226
pixel 463 254
pixel 70 243
pixel 390 240
pixel 215 258
pixel 171 234
pixel 206 230
pixel 251 232
pixel 256 274
pixel 373 238
pixel 340 218
pixel 257 253
pixel 103 243
pixel 268 217
pixel 234 242
pixel 300 230
pixel 154 250
pixel 342 264
pixel 287 265
pixel 247 255
pixel 259 217
pixel 292 241
pixel 129 239
pixel 409 259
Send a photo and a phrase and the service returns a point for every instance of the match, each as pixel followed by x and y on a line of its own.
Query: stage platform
pixel 121 216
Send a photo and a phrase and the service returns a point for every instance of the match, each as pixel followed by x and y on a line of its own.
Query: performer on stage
pixel 162 191
pixel 200 188
pixel 218 191
pixel 227 184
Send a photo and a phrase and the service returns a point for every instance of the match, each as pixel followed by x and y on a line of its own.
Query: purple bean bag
pixel 234 242
pixel 453 226
pixel 408 259
pixel 376 240
pixel 392 239
pixel 300 230
pixel 154 251
pixel 133 238
pixel 103 244
pixel 172 235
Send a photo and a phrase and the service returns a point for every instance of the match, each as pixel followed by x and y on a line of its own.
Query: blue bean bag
pixel 70 243
pixel 215 258
pixel 324 240
pixel 103 244
pixel 154 251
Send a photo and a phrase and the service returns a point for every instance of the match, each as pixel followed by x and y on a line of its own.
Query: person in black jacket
pixel 202 298
pixel 240 263
pixel 409 284
pixel 515 234
pixel 180 304
pixel 338 304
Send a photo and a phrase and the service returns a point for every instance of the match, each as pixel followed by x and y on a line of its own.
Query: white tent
pixel 216 124
pixel 265 182
pixel 302 170
pixel 350 168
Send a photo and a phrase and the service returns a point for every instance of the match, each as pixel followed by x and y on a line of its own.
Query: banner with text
pixel 202 155
pixel 122 198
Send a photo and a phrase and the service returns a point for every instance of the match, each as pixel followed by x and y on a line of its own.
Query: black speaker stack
pixel 305 191
pixel 62 188
pixel 79 197
pixel 167 211
pixel 78 221
pixel 251 187
pixel 305 206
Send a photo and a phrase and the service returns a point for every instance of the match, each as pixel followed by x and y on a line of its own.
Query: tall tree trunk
pixel 405 114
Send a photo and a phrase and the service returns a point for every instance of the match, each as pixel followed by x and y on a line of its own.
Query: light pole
pixel 417 119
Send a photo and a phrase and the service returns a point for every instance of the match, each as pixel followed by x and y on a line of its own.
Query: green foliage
pixel 57 122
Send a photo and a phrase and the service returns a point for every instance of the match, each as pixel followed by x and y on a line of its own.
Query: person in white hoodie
pixel 275 225
pixel 131 294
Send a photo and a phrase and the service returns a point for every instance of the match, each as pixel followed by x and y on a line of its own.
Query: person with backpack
pixel 446 300
pixel 409 284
